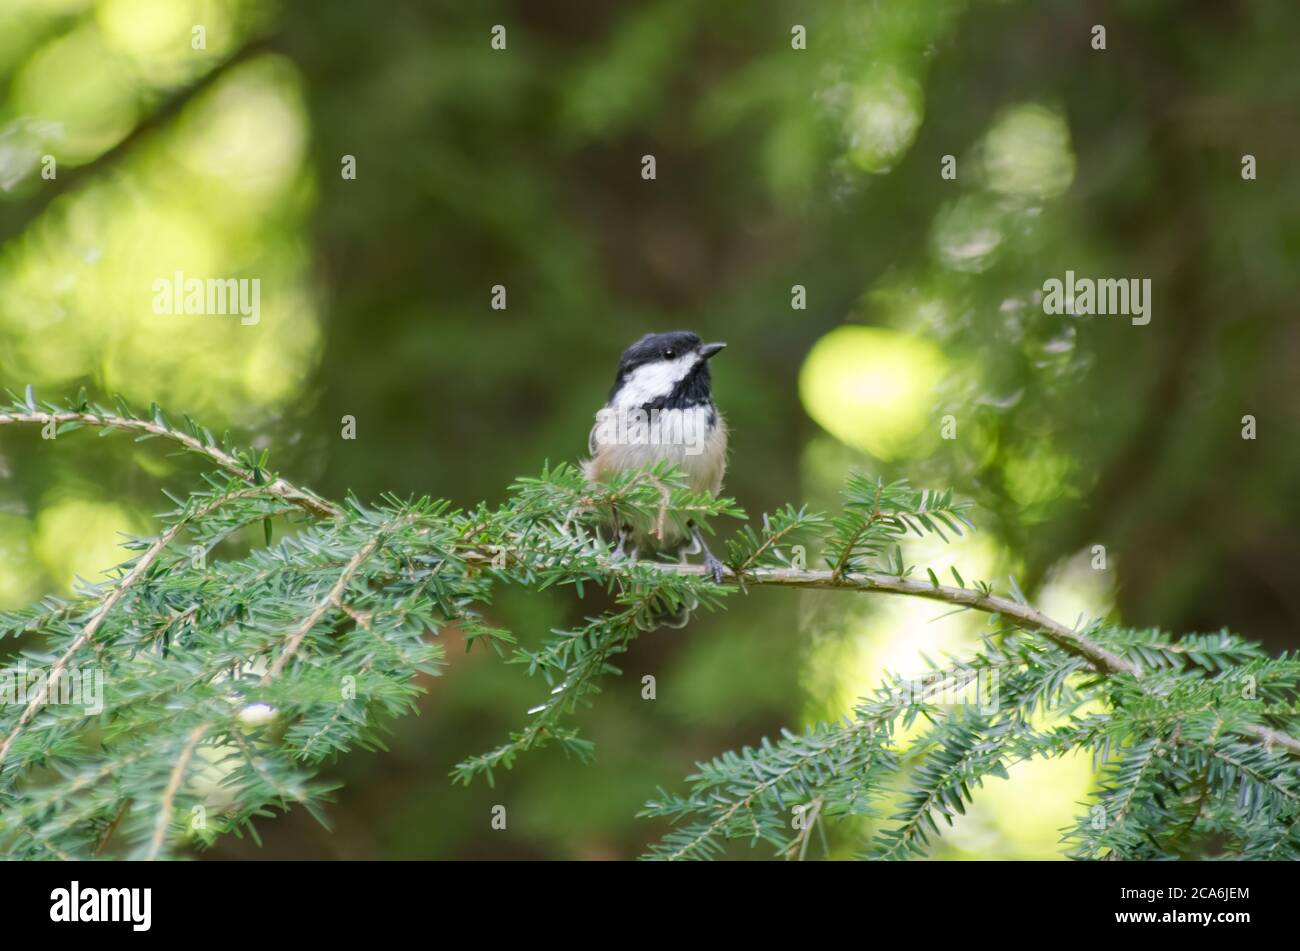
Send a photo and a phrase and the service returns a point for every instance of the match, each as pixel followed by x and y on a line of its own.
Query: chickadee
pixel 661 410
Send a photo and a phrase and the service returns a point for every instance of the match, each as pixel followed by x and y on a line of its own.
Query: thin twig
pixel 112 826
pixel 304 499
pixel 1101 658
pixel 88 632
pixel 809 817
pixel 331 600
pixel 1069 639
pixel 169 794
pixel 1098 656
pixel 48 845
pixel 150 126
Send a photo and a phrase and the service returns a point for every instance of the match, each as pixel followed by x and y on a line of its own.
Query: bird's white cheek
pixel 654 380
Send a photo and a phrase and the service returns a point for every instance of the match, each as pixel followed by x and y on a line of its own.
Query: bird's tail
pixel 665 611
pixel 677 616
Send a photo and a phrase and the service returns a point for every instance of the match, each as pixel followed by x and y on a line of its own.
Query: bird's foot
pixel 715 567
pixel 621 552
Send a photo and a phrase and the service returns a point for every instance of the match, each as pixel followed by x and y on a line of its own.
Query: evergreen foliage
pixel 230 677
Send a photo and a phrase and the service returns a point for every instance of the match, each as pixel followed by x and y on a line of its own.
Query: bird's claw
pixel 715 568
pixel 619 553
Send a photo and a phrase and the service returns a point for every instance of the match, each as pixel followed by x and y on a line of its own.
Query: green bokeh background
pixel 775 167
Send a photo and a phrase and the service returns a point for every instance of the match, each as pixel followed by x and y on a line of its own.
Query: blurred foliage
pixel 776 167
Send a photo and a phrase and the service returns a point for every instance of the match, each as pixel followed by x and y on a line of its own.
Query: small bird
pixel 660 409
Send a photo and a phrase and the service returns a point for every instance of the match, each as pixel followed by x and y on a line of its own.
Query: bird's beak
pixel 707 350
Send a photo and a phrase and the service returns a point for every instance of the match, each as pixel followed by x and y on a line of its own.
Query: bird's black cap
pixel 653 347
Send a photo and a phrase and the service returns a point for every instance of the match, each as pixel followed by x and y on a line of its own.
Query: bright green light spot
pixel 883 119
pixel 1037 478
pixel 19 574
pixel 149 27
pixel 248 137
pixel 872 388
pixel 1028 153
pixel 76 83
pixel 80 538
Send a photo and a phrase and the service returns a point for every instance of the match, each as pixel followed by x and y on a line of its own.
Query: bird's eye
pixel 669 353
